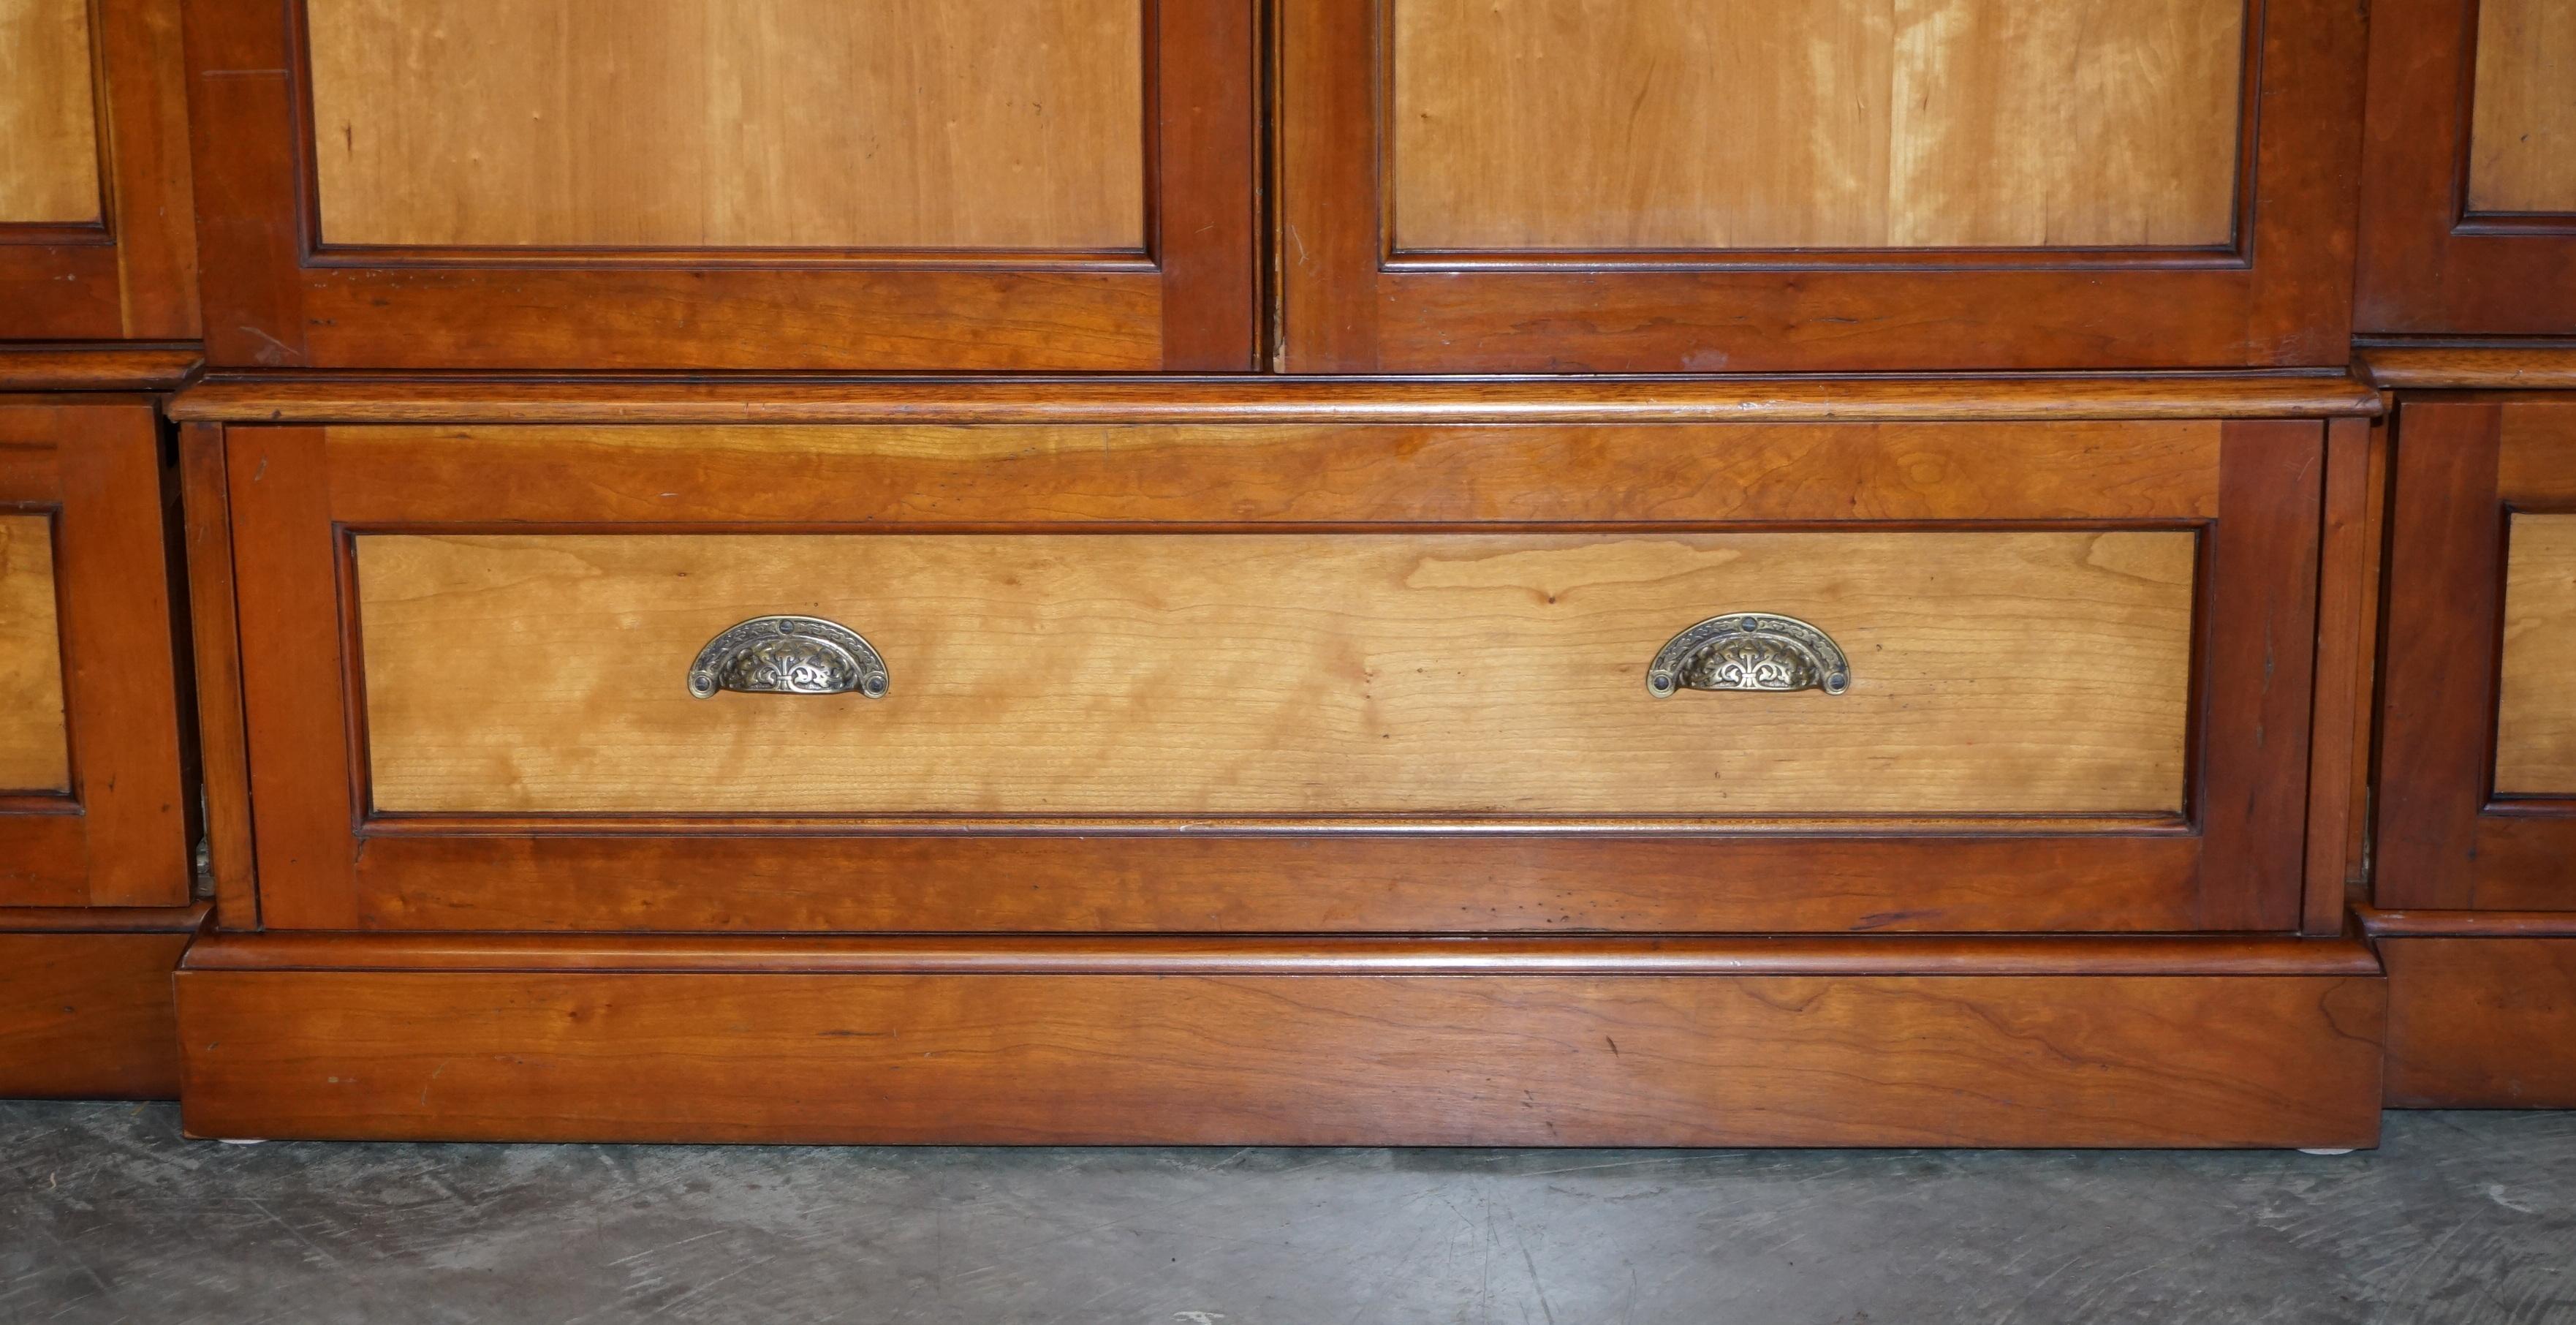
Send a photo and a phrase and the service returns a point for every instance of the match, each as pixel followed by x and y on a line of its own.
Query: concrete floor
pixel 107 1215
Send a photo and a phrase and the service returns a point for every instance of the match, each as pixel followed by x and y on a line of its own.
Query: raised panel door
pixel 1833 185
pixel 779 184
pixel 93 810
pixel 2468 218
pixel 96 233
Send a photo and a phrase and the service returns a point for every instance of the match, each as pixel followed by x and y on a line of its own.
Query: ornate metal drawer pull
pixel 1749 651
pixel 788 655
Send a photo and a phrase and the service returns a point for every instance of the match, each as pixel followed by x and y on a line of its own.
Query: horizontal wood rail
pixel 1291 955
pixel 811 399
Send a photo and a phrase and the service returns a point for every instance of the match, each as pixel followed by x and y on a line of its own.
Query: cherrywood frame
pixel 132 274
pixel 122 836
pixel 276 298
pixel 2347 619
pixel 2276 296
pixel 2428 265
pixel 2445 840
pixel 293 498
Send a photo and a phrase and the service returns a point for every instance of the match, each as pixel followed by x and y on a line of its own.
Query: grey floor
pixel 108 1215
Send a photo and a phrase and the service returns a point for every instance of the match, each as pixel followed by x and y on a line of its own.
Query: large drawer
pixel 1221 673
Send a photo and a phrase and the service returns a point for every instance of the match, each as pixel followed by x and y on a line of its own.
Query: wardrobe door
pixel 2477 804
pixel 780 184
pixel 1775 185
pixel 95 241
pixel 94 807
pixel 2469 210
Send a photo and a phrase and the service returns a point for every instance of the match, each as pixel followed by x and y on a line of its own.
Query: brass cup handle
pixel 1749 651
pixel 788 655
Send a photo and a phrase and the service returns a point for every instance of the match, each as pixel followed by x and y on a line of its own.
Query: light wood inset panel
pixel 2536 704
pixel 753 123
pixel 2003 672
pixel 2522 136
pixel 48 117
pixel 34 749
pixel 1815 123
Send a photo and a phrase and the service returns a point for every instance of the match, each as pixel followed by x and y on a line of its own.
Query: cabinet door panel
pixel 95 218
pixel 92 811
pixel 2468 219
pixel 780 184
pixel 1668 124
pixel 2477 804
pixel 1561 186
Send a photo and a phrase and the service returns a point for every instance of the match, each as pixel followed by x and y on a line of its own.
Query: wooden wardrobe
pixel 1552 572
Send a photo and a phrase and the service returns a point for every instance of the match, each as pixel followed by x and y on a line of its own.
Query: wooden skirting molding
pixel 97 367
pixel 1871 1041
pixel 85 1000
pixel 2467 364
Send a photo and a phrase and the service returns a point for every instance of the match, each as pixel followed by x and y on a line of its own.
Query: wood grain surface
pixel 98 367
pixel 2481 1023
pixel 1398 472
pixel 2535 704
pixel 2471 469
pixel 98 238
pixel 2456 118
pixel 2522 134
pixel 49 162
pixel 2080 876
pixel 2536 452
pixel 1788 1059
pixel 704 136
pixel 88 1015
pixel 1684 124
pixel 1360 293
pixel 1009 124
pixel 2437 693
pixel 35 751
pixel 1485 673
pixel 214 615
pixel 2059 397
pixel 2538 365
pixel 2339 738
pixel 1297 954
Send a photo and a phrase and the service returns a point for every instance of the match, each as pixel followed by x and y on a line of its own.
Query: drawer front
pixel 35 747
pixel 2468 198
pixel 2478 800
pixel 1989 673
pixel 1281 677
pixel 92 808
